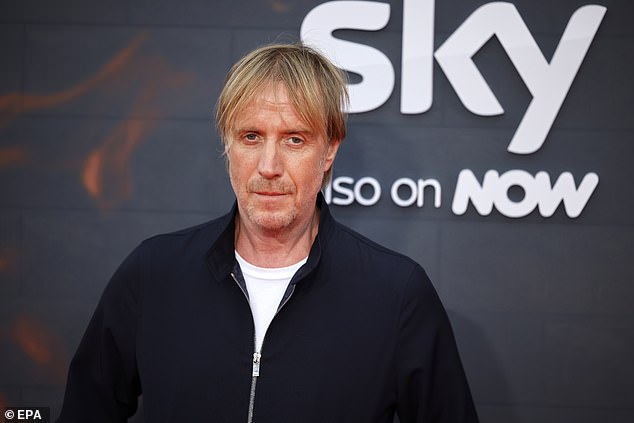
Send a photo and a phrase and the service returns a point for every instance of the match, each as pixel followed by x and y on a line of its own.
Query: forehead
pixel 274 97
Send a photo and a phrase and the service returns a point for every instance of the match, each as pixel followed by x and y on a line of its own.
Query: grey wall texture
pixel 106 138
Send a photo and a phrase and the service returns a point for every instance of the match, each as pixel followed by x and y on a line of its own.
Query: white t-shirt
pixel 266 287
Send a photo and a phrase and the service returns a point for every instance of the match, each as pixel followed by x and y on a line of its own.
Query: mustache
pixel 263 185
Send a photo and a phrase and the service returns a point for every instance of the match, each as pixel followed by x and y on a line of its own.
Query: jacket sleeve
pixel 432 386
pixel 103 383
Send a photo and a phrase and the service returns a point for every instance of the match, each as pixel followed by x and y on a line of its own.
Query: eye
pixel 295 141
pixel 250 137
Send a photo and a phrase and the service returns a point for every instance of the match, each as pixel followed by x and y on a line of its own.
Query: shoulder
pixel 350 242
pixel 194 239
pixel 360 254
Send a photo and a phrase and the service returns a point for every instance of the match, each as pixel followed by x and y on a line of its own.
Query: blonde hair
pixel 317 89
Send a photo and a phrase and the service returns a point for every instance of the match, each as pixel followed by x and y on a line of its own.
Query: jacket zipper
pixel 254 380
pixel 257 355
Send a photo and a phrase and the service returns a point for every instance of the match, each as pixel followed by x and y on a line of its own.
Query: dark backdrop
pixel 106 138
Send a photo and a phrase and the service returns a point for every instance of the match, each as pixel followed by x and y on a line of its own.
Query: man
pixel 274 312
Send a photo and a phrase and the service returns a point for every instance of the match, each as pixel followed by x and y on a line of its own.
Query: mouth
pixel 270 193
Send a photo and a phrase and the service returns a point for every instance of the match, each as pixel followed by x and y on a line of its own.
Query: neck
pixel 279 248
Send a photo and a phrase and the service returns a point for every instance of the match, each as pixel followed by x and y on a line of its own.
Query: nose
pixel 270 163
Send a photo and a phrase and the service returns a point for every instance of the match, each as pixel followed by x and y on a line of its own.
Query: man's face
pixel 276 162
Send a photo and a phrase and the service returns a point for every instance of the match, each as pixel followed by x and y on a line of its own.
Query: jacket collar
pixel 221 255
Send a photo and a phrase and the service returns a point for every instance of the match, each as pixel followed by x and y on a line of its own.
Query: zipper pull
pixel 256 364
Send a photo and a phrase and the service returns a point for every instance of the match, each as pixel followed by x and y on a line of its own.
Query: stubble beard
pixel 270 220
pixel 263 217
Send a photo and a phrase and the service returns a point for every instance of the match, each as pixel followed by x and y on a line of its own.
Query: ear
pixel 225 154
pixel 226 145
pixel 331 153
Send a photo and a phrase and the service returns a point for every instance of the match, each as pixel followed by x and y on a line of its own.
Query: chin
pixel 272 221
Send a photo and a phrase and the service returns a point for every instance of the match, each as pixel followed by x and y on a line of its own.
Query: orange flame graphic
pixel 105 173
pixel 41 346
pixel 280 6
pixel 15 103
pixel 12 155
pixel 8 258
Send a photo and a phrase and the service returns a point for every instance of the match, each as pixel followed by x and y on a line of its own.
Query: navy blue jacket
pixel 361 334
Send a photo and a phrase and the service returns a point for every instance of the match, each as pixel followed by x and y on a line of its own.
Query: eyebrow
pixel 303 130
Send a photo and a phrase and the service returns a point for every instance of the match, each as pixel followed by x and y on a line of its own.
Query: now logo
pixel 538 192
pixel 548 82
